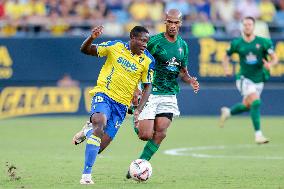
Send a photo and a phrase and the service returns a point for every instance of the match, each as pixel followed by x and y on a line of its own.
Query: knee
pixel 256 103
pixel 98 119
pixel 159 136
pixel 145 136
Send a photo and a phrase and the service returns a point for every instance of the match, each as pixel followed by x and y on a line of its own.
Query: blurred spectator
pixel 2 9
pixel 138 10
pixel 234 27
pixel 157 10
pixel 248 8
pixel 14 9
pixel 76 17
pixel 203 28
pixel 67 81
pixel 223 10
pixel 261 29
pixel 203 6
pixel 57 24
pixel 181 5
pixel 267 10
pixel 192 11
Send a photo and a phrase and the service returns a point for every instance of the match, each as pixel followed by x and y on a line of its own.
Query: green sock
pixel 149 150
pixel 255 114
pixel 238 108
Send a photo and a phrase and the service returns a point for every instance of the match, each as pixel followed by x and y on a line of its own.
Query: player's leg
pixel 162 122
pixel 100 113
pixel 237 108
pixel 166 108
pixel 93 146
pixel 253 101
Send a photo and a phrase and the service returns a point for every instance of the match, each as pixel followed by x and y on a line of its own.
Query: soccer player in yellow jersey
pixel 126 65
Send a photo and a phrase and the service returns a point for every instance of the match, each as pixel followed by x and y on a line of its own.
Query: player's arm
pixel 273 57
pixel 226 60
pixel 225 64
pixel 189 79
pixel 87 47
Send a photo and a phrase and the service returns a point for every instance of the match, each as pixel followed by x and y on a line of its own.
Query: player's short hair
pixel 136 30
pixel 249 18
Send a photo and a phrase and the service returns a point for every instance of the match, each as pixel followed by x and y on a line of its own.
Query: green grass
pixel 41 149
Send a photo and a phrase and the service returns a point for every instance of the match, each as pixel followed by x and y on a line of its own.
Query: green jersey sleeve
pixel 268 45
pixel 152 45
pixel 184 62
pixel 233 47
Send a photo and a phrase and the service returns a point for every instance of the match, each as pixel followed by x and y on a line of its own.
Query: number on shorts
pixel 99 99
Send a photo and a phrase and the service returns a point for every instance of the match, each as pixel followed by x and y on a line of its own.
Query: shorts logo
pixel 117 125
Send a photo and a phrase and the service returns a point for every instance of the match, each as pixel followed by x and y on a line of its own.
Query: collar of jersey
pixel 127 46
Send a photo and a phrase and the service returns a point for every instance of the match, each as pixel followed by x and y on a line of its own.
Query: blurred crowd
pixel 201 18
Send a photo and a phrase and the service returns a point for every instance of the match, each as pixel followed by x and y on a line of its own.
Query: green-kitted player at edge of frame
pixel 256 56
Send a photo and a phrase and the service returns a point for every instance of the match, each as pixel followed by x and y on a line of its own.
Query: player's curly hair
pixel 136 30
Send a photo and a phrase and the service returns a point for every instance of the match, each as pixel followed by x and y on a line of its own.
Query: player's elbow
pixel 84 50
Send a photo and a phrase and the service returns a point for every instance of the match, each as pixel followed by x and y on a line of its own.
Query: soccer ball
pixel 140 170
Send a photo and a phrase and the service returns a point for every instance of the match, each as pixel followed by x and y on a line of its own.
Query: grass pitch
pixel 206 156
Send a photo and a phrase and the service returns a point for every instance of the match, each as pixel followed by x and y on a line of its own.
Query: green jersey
pixel 251 55
pixel 170 58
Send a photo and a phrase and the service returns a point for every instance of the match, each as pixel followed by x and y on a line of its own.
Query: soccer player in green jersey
pixel 171 54
pixel 256 58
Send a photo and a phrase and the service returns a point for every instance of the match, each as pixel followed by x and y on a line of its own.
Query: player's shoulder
pixel 182 41
pixel 263 39
pixel 148 54
pixel 156 38
pixel 237 40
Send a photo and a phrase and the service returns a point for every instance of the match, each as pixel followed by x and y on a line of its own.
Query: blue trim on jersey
pixel 109 43
pixel 148 54
pixel 127 46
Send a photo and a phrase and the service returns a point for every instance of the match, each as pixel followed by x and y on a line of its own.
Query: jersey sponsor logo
pixel 173 64
pixel 257 46
pixel 127 65
pixel 251 58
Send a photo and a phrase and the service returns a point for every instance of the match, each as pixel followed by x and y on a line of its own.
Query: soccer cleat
pixel 225 114
pixel 80 136
pixel 86 179
pixel 261 140
pixel 128 176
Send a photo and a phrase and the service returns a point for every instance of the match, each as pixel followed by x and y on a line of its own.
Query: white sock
pixel 258 133
pixel 87 176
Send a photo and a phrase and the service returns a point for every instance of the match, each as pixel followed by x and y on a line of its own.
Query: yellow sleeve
pixel 147 75
pixel 104 48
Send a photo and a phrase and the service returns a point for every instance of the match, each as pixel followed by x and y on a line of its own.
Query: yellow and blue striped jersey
pixel 122 71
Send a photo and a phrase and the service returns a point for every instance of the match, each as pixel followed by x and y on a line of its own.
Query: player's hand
pixel 266 64
pixel 136 115
pixel 195 84
pixel 97 31
pixel 137 94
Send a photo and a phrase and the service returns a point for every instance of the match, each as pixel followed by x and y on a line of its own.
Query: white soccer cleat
pixel 80 136
pixel 86 179
pixel 261 140
pixel 225 114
